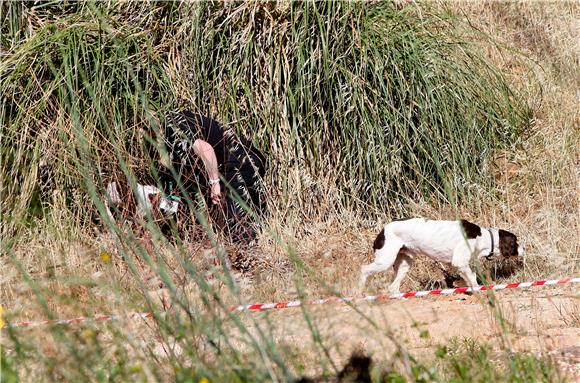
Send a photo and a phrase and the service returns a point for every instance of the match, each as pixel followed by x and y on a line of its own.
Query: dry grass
pixel 537 196
pixel 540 180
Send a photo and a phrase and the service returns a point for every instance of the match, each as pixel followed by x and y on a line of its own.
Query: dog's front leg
pixel 461 257
pixel 468 276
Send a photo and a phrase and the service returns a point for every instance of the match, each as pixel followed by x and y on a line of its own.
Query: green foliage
pixel 72 98
pixel 7 371
pixel 465 361
pixel 468 361
pixel 356 105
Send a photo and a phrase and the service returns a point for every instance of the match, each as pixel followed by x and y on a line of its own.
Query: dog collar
pixel 489 257
pixel 172 197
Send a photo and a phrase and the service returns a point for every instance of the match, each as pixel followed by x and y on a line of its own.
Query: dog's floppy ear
pixel 508 243
pixel 380 240
pixel 155 199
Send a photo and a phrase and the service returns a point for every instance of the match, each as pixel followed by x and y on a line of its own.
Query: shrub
pixel 356 105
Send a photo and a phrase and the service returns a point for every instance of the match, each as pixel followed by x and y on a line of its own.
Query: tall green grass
pixel 357 106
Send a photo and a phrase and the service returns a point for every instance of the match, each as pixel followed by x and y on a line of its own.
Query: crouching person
pixel 215 164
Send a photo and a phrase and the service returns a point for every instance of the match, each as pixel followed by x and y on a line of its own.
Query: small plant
pixel 466 360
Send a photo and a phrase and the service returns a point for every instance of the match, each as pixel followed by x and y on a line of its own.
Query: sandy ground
pixel 540 320
pixel 543 320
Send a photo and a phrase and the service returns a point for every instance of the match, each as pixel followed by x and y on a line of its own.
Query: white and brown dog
pixel 121 202
pixel 451 242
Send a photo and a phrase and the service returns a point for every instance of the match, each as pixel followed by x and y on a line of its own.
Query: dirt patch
pixel 521 321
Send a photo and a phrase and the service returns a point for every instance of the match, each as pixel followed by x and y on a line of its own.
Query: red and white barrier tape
pixel 96 318
pixel 384 297
pixel 297 303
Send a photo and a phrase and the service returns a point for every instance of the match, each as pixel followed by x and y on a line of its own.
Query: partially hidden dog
pixel 137 204
pixel 450 242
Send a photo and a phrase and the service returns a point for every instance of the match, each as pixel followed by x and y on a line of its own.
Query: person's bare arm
pixel 205 151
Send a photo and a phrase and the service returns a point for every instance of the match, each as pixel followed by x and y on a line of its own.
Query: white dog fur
pixel 451 242
pixel 144 195
pixel 116 196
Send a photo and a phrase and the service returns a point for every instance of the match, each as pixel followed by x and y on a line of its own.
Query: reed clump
pixel 356 106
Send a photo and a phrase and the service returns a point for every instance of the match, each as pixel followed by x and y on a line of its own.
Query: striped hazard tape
pixel 384 297
pixel 96 318
pixel 297 303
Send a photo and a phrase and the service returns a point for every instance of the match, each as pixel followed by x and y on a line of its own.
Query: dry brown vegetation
pixel 64 266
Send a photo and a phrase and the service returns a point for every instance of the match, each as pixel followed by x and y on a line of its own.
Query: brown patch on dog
pixel 508 244
pixel 471 230
pixel 380 240
pixel 155 200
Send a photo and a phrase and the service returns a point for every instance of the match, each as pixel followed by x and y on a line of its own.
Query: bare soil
pixel 541 321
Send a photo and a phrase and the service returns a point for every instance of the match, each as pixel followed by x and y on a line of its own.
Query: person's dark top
pixel 183 128
pixel 241 165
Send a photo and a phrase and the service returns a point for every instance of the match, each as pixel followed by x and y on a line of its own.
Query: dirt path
pixel 536 321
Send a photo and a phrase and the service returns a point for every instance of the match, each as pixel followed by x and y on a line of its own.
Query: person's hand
pixel 216 193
